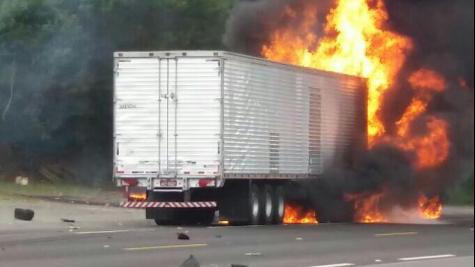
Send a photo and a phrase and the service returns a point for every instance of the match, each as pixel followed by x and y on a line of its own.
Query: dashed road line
pixel 396 234
pixel 102 232
pixel 335 265
pixel 166 247
pixel 427 257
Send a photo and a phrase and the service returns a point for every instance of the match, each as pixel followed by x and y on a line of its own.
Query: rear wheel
pixel 254 205
pixel 279 205
pixel 165 217
pixel 267 205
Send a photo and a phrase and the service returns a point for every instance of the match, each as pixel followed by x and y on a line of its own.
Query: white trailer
pixel 200 131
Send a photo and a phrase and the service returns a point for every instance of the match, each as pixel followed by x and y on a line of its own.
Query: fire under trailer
pixel 203 134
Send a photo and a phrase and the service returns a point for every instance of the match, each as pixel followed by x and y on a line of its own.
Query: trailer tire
pixel 24 215
pixel 166 216
pixel 163 222
pixel 267 205
pixel 279 205
pixel 254 205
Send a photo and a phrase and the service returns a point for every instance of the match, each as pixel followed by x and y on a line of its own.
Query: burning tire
pixel 278 204
pixel 267 205
pixel 254 205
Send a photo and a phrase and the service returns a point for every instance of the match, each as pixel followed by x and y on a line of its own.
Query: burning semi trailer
pixel 203 131
pixel 336 119
pixel 413 155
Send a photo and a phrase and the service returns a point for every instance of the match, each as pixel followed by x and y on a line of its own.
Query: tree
pixel 62 49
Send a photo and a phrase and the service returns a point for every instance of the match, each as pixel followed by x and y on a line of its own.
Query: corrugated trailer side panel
pixel 266 120
pixel 337 120
pixel 283 121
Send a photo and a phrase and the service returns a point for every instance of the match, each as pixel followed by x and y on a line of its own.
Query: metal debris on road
pixel 24 214
pixel 190 262
pixel 183 236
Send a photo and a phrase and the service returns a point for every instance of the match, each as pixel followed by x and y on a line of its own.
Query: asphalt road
pixel 114 237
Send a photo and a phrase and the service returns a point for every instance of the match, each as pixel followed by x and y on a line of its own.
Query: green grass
pixel 462 194
pixel 59 190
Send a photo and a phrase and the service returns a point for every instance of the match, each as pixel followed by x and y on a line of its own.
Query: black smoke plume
pixel 443 36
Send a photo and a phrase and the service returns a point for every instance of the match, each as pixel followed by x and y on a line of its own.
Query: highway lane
pixel 135 242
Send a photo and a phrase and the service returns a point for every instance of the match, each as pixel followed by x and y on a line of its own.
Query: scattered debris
pixel 183 236
pixel 299 238
pixel 238 265
pixel 24 215
pixel 107 246
pixel 190 262
pixel 73 228
pixel 378 260
pixel 68 220
pixel 22 180
pixel 253 254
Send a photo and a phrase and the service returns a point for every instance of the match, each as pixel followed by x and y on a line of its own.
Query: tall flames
pixel 357 41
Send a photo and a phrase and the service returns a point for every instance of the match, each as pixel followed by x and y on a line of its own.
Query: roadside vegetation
pixel 56 75
pixel 61 191
pixel 462 193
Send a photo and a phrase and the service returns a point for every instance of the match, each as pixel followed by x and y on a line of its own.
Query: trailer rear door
pixel 167 117
pixel 189 121
pixel 136 124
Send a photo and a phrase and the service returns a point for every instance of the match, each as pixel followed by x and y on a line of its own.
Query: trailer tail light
pixel 205 182
pixel 223 222
pixel 130 182
pixel 137 194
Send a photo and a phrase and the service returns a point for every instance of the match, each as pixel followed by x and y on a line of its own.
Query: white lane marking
pixel 102 232
pixel 427 257
pixel 253 254
pixel 166 247
pixel 335 265
pixel 396 234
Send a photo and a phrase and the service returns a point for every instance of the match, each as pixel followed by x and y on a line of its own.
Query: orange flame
pixel 430 208
pixel 356 42
pixel 367 208
pixel 431 149
pixel 426 79
pixel 294 214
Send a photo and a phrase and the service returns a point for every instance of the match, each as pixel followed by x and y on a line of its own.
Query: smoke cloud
pixel 442 33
